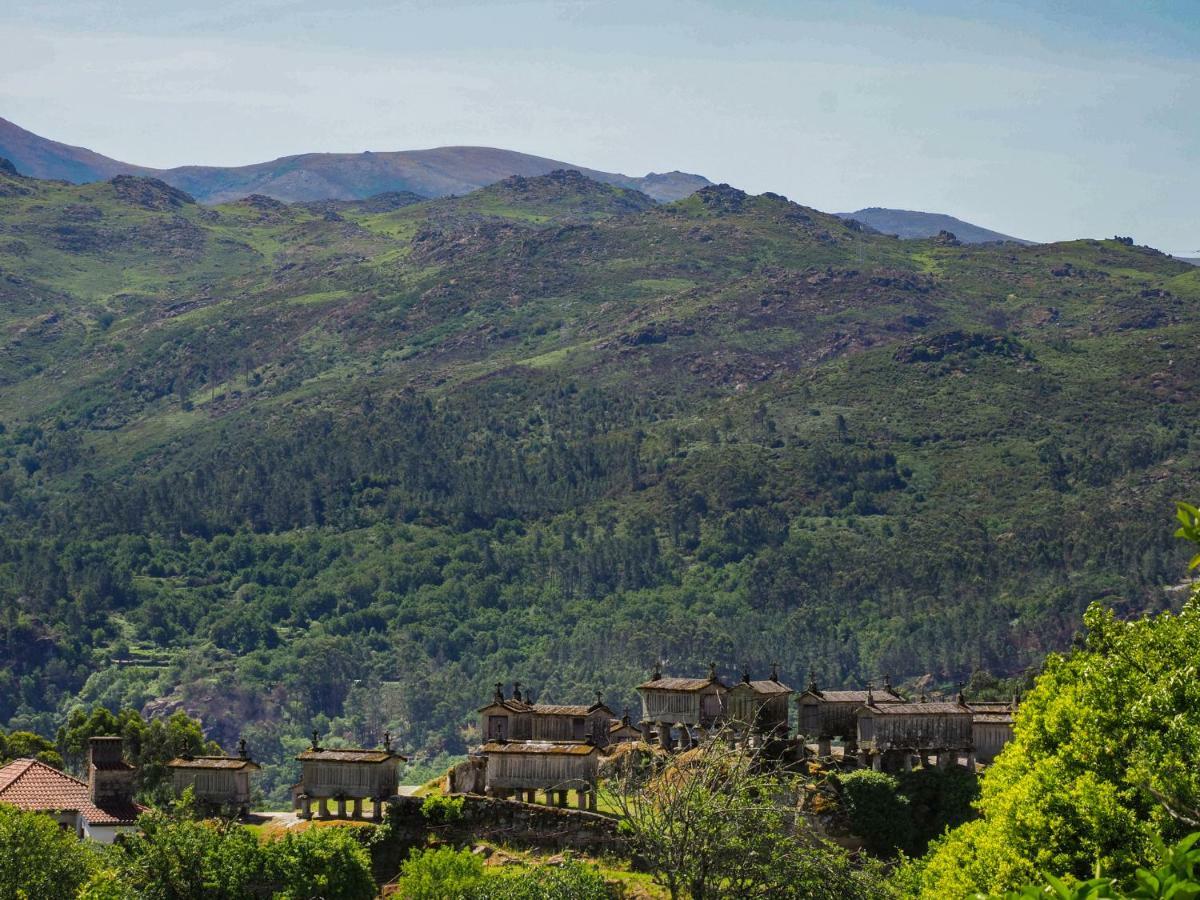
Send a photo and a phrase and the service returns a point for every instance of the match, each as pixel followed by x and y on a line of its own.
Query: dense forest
pixel 343 466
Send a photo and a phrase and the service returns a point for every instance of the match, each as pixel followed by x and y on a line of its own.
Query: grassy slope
pixel 729 427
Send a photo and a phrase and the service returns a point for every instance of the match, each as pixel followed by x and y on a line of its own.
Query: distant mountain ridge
pixel 913 224
pixel 308 177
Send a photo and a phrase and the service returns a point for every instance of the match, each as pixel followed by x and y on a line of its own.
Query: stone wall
pixel 510 822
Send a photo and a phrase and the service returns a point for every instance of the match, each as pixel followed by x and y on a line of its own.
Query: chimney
pixel 110 778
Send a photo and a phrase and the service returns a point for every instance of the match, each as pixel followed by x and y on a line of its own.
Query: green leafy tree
pixel 329 863
pixel 1102 764
pixel 172 858
pixel 39 860
pixel 1176 877
pixel 27 745
pixel 150 745
pixel 709 823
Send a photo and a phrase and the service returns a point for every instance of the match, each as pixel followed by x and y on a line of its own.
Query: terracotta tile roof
pixel 547 747
pixel 355 755
pixel 231 763
pixel 36 787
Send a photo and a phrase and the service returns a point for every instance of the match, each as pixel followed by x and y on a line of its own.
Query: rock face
pixel 149 193
pixel 7 168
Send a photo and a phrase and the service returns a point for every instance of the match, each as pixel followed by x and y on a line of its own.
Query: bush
pixel 878 812
pixel 40 860
pixel 328 863
pixel 440 874
pixel 441 810
pixel 571 881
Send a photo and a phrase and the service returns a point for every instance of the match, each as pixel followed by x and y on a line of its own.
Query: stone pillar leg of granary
pixel 664 735
pixel 908 758
pixel 341 807
pixel 971 761
pixel 564 798
pixel 356 808
pixel 824 747
pixel 323 807
pixel 591 801
pixel 581 799
pixel 646 727
pixel 877 762
pixel 305 807
pixel 377 809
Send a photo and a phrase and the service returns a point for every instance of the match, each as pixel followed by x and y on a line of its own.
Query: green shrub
pixel 441 874
pixel 571 881
pixel 878 812
pixel 328 863
pixel 441 810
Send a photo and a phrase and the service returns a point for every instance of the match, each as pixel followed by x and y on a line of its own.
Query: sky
pixel 1041 119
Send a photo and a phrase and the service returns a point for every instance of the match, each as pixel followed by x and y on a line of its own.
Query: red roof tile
pixel 36 787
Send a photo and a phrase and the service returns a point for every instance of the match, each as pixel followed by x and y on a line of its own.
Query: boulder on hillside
pixel 149 193
pixel 7 167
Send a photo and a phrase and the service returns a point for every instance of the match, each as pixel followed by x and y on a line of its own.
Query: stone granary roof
pixel 552 748
pixel 517 704
pixel 687 685
pixel 885 693
pixel 999 712
pixel 36 787
pixel 227 763
pixel 770 685
pixel 322 754
pixel 916 709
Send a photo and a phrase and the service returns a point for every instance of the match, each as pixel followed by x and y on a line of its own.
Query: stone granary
pixel 522 768
pixel 825 715
pixel 343 775
pixel 515 719
pixel 217 782
pixel 890 735
pixel 691 703
pixel 99 809
pixel 991 727
pixel 623 731
pixel 760 707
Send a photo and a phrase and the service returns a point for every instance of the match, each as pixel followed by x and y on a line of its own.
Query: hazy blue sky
pixel 1041 119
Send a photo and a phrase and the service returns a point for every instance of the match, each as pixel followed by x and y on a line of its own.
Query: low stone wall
pixel 509 821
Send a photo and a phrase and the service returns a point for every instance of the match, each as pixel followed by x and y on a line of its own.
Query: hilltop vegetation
pixel 346 465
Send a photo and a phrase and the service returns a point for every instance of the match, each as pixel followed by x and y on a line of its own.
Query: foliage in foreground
pixel 1174 878
pixel 1103 763
pixel 40 860
pixel 444 873
pixel 172 858
pixel 904 812
pixel 708 823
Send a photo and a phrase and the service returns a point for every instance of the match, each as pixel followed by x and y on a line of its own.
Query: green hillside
pixel 345 465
